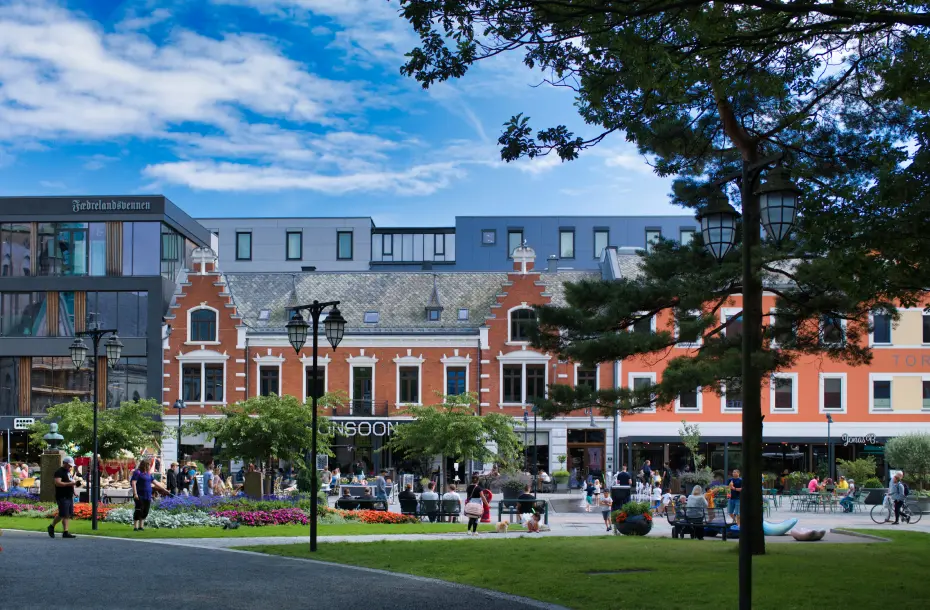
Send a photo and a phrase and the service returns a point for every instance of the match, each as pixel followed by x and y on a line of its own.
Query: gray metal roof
pixel 400 298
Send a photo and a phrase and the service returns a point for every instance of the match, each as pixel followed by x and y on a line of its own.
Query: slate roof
pixel 400 298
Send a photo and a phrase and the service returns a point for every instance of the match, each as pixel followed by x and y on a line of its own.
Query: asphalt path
pixel 103 573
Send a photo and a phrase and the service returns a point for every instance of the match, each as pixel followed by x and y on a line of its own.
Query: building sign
pixel 911 361
pixel 867 439
pixel 362 428
pixel 109 205
pixel 23 423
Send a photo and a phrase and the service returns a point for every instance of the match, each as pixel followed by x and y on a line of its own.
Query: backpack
pixel 907 490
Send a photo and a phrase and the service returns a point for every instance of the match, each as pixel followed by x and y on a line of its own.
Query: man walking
pixel 173 479
pixel 736 486
pixel 208 481
pixel 620 490
pixel 381 486
pixel 64 497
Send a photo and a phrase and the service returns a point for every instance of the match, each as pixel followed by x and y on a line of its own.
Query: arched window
pixel 521 320
pixel 203 325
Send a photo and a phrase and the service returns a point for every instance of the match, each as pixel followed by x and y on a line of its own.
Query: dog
pixel 502 527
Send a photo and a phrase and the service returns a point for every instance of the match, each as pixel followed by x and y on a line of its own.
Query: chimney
pixel 552 263
pixel 524 258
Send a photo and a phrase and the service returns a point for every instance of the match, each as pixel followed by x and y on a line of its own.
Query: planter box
pixel 919 505
pixel 875 496
pixel 633 526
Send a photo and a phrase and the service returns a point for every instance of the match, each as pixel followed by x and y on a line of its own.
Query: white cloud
pixel 417 180
pixel 95 162
pixel 53 185
pixel 627 161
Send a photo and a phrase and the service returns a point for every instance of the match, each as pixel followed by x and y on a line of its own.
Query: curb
pixel 846 532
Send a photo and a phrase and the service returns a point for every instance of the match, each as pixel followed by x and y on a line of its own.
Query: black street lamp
pixel 526 430
pixel 829 448
pixel 535 452
pixel 334 327
pixel 180 406
pixel 78 349
pixel 773 205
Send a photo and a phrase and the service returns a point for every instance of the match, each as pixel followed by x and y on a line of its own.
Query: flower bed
pixel 82 510
pixel 280 516
pixel 166 520
pixel 378 516
pixel 8 509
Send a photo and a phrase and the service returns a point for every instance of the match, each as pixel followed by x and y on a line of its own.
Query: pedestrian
pixel 184 481
pixel 64 497
pixel 589 497
pixel 647 472
pixel 141 482
pixel 736 486
pixel 666 476
pixel 897 494
pixel 621 490
pixel 208 480
pixel 606 503
pixel 173 479
pixel 381 486
pixel 474 507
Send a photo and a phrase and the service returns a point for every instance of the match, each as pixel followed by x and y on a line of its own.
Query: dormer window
pixel 434 306
pixel 433 313
pixel 371 317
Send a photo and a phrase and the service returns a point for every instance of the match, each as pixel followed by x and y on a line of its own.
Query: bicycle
pixel 884 512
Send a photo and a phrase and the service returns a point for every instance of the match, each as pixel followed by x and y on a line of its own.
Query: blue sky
pixel 278 108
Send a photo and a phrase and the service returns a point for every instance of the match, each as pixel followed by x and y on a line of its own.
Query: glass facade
pixel 9 386
pixel 16 249
pixel 55 380
pixel 23 314
pixel 127 381
pixel 124 311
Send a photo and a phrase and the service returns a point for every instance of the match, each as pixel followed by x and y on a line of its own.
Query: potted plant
pixel 875 491
pixel 633 519
pixel 512 485
pixel 702 477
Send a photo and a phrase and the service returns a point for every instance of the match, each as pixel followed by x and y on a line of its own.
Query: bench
pixel 697 522
pixel 513 507
pixel 435 510
pixel 359 504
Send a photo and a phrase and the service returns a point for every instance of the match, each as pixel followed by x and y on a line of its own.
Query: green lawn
pixel 680 573
pixel 125 531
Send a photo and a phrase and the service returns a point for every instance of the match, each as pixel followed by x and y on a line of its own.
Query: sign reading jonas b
pixel 108 205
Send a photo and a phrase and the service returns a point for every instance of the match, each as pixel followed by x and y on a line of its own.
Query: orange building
pixel 411 336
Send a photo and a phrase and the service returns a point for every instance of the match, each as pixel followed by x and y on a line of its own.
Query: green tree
pixel 130 428
pixel 453 429
pixel 261 429
pixel 708 91
pixel 910 453
pixel 858 470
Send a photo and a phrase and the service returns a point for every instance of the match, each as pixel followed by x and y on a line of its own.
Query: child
pixel 589 497
pixel 606 504
pixel 657 497
pixel 666 502
pixel 533 524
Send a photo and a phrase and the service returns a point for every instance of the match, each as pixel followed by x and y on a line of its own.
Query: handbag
pixel 474 509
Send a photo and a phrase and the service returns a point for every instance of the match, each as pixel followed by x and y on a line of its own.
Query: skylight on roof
pixel 372 317
pixel 463 314
pixel 264 314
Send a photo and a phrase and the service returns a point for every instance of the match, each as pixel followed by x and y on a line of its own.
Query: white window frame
pixel 723 400
pixel 652 378
pixel 510 339
pixel 729 311
pixel 820 326
pixel 597 376
pixel 522 358
pixel 455 361
pixel 408 361
pixel 203 357
pixel 698 343
pixel 216 312
pixel 355 362
pixel 268 360
pixel 773 313
pixel 872 334
pixel 842 378
pixel 700 402
pixel 794 392
pixel 873 377
pixel 652 323
pixel 322 362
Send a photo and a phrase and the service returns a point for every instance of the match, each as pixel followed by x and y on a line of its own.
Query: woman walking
pixel 475 503
pixel 141 482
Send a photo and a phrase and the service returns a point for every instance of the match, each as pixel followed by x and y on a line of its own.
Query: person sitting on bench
pixel 527 501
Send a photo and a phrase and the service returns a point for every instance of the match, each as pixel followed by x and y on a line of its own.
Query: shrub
pixel 910 453
pixel 166 520
pixel 871 483
pixel 858 470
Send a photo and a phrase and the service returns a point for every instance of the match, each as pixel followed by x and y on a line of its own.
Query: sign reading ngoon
pixel 362 428
pixel 867 439
pixel 112 205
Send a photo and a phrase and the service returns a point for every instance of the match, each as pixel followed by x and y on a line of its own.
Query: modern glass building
pixel 66 263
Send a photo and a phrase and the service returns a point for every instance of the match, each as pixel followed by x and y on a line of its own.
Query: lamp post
pixel 180 406
pixel 526 429
pixel 772 205
pixel 297 327
pixel 114 349
pixel 829 447
pixel 535 453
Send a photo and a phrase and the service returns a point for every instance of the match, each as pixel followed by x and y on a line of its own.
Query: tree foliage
pixel 707 91
pixel 453 429
pixel 262 428
pixel 134 426
pixel 858 470
pixel 910 453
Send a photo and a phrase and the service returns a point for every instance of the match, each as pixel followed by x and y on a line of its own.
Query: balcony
pixel 363 408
